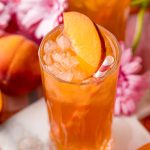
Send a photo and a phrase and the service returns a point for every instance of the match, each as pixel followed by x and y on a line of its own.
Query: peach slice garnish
pixel 84 39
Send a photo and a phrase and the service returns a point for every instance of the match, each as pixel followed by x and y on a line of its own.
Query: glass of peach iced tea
pixel 79 66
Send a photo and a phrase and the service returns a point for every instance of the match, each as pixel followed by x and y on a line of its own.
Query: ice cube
pixel 47 59
pixel 61 74
pixel 78 75
pixel 63 42
pixel 66 76
pixel 66 62
pixel 52 69
pixel 59 67
pixel 73 61
pixel 57 57
pixel 69 62
pixel 50 46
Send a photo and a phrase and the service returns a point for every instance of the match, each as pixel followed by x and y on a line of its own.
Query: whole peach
pixel 145 147
pixel 19 66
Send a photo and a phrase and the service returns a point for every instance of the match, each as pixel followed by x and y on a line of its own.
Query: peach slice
pixel 84 39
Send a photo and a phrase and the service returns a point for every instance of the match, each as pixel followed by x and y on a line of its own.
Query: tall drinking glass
pixel 80 114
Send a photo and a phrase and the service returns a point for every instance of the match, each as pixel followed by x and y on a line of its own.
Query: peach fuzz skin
pixel 19 67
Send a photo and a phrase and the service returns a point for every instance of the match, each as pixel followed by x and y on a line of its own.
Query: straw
pixel 108 61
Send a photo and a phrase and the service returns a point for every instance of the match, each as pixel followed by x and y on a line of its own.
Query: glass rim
pixel 112 69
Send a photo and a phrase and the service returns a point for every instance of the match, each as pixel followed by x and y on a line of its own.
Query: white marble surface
pixel 28 130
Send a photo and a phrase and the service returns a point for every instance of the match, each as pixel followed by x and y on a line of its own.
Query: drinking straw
pixel 108 61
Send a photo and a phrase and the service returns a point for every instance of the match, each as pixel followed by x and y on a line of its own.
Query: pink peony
pixel 5 15
pixel 38 17
pixel 131 85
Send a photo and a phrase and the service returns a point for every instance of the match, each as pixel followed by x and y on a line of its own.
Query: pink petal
pixel 39 16
pixel 122 97
pixel 126 56
pixel 128 92
pixel 2 7
pixel 32 17
pixel 130 105
pixel 134 79
pixel 45 26
pixel 139 82
pixel 23 7
pixel 124 84
pixel 137 59
pixel 132 67
pixel 119 91
pixel 124 109
pixel 5 15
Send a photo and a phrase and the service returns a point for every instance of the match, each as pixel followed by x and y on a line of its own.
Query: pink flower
pixel 131 85
pixel 5 15
pixel 39 16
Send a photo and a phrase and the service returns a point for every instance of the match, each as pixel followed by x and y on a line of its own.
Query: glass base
pixel 106 146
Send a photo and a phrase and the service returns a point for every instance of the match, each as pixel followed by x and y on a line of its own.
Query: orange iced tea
pixel 80 107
